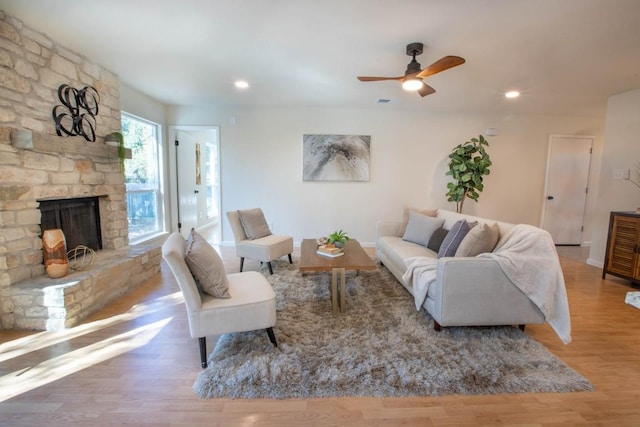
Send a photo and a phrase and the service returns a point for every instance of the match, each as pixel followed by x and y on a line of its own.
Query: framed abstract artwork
pixel 335 157
pixel 198 173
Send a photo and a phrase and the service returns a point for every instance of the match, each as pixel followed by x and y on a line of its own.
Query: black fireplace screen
pixel 78 218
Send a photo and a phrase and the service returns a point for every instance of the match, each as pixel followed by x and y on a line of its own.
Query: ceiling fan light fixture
pixel 512 94
pixel 412 84
pixel 241 84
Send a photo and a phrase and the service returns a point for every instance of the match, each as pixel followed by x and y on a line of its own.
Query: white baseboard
pixel 595 263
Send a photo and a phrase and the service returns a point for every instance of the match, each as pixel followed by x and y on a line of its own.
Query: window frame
pixel 160 218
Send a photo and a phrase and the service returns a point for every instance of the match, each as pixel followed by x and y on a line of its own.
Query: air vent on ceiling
pixel 383 101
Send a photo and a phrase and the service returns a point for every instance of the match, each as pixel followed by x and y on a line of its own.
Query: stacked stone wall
pixel 36 163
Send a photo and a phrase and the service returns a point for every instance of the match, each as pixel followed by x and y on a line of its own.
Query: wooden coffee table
pixel 354 258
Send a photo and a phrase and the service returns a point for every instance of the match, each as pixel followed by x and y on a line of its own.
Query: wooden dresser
pixel 622 257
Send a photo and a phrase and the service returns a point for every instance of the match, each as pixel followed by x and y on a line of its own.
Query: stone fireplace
pixel 65 182
pixel 37 165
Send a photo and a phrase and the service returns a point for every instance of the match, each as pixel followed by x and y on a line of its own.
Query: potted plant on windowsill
pixel 117 139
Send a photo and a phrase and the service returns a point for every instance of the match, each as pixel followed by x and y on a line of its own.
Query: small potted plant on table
pixel 337 239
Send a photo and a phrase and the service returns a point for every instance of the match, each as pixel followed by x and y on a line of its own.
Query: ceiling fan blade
pixel 426 90
pixel 375 79
pixel 440 65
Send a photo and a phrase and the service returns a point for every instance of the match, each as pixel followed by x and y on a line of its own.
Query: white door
pixel 566 187
pixel 197 180
pixel 186 178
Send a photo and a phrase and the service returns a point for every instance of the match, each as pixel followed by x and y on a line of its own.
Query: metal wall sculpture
pixel 77 114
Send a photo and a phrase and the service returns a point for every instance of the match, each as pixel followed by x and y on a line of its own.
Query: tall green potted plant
pixel 468 163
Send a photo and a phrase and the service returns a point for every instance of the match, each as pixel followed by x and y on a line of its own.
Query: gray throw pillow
pixel 481 239
pixel 450 244
pixel 254 224
pixel 437 238
pixel 206 266
pixel 420 228
pixel 405 217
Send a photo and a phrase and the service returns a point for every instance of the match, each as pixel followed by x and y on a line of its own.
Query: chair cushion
pixel 254 224
pixel 420 228
pixel 454 237
pixel 479 239
pixel 206 266
pixel 252 306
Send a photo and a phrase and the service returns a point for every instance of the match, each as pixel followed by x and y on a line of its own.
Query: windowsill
pixel 146 239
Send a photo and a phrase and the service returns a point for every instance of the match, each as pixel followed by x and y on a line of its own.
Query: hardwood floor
pixel 133 363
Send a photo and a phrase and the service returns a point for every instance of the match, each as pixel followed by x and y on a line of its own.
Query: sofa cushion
pixel 405 216
pixel 454 238
pixel 254 224
pixel 479 239
pixel 206 266
pixel 435 242
pixel 398 250
pixel 420 228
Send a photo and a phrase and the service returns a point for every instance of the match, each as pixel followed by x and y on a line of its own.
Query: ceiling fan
pixel 414 76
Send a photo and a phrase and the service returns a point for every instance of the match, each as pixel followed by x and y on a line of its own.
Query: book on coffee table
pixel 319 252
pixel 329 250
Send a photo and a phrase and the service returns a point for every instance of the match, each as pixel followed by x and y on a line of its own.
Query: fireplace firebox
pixel 79 219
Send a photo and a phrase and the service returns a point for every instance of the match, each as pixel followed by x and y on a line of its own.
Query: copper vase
pixel 54 251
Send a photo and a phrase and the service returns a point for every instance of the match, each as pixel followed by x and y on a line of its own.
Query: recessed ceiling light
pixel 512 94
pixel 241 84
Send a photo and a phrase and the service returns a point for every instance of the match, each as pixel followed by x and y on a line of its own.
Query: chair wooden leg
pixel 290 260
pixel 241 263
pixel 203 351
pixel 272 337
pixel 270 268
pixel 521 327
pixel 436 326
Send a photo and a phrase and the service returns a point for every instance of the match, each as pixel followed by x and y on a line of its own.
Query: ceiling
pixel 564 56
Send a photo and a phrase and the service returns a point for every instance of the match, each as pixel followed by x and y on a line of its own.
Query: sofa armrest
pixel 388 228
pixel 471 291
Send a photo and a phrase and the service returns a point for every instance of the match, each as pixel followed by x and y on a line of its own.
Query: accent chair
pixel 254 239
pixel 251 304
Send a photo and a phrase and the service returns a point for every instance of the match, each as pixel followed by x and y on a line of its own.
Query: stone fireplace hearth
pixel 36 167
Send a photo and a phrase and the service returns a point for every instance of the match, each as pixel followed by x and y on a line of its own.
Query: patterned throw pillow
pixel 206 266
pixel 450 244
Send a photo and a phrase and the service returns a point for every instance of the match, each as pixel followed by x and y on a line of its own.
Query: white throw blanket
pixel 421 273
pixel 529 259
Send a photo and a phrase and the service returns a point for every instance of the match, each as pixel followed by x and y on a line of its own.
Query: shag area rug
pixel 380 347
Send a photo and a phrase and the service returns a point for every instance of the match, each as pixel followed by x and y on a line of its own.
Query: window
pixel 142 177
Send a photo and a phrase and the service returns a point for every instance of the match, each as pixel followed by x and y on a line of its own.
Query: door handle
pixel 196 191
pixel 549 197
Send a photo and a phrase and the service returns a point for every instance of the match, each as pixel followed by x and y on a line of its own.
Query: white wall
pixel 621 150
pixel 261 152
